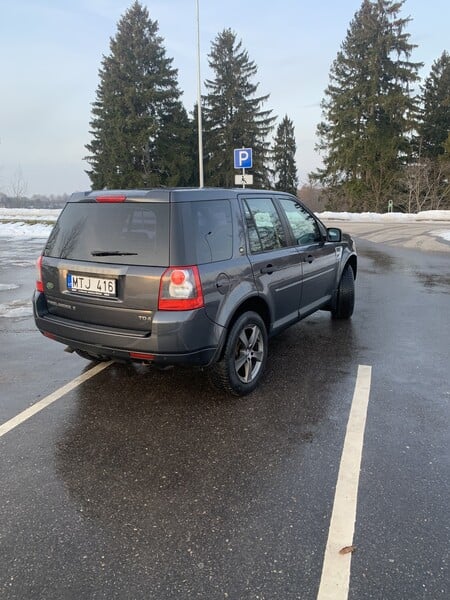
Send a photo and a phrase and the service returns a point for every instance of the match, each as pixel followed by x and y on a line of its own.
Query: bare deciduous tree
pixel 18 184
pixel 428 184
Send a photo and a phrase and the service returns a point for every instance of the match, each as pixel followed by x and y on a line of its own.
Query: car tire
pixel 345 296
pixel 240 369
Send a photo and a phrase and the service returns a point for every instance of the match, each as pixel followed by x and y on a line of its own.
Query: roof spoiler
pixel 76 196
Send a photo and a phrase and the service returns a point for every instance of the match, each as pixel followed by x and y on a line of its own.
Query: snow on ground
pixel 25 223
pixel 434 216
pixel 426 215
pixel 16 309
pixel 23 231
pixel 15 222
pixel 445 235
pixel 28 214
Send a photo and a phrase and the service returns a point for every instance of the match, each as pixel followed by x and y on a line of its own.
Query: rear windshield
pixel 123 233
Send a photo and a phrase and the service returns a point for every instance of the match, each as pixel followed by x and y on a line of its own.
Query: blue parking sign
pixel 243 158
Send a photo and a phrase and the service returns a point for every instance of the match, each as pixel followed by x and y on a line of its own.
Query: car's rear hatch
pixel 103 262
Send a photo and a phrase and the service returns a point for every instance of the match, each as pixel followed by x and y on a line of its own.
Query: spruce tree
pixel 435 125
pixel 140 130
pixel 233 114
pixel 368 109
pixel 284 149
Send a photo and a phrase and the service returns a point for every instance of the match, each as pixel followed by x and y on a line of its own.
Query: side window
pixel 214 237
pixel 264 227
pixel 303 225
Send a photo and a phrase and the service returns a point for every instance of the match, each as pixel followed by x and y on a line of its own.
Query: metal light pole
pixel 199 104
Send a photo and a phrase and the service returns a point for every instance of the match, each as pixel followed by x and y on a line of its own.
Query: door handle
pixel 269 269
pixel 309 258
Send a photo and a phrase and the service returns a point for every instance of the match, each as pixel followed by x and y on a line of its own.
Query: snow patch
pixel 23 230
pixel 15 222
pixel 29 214
pixel 445 235
pixel 426 215
pixel 8 286
pixel 16 309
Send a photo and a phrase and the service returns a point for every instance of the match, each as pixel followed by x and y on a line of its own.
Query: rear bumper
pixel 177 338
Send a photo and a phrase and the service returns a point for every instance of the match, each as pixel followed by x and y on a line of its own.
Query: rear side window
pixel 202 232
pixel 264 227
pixel 126 233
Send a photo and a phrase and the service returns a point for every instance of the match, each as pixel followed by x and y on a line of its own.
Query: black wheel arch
pixel 253 303
pixel 353 263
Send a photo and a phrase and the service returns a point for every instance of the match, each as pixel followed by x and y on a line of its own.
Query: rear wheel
pixel 241 367
pixel 345 299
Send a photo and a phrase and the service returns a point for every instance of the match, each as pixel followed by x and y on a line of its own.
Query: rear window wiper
pixel 112 253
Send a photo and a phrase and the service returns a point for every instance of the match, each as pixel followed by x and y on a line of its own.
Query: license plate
pixel 95 286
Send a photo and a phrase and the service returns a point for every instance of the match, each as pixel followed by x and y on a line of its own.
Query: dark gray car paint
pixel 284 285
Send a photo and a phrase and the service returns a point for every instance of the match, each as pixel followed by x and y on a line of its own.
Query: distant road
pixel 419 236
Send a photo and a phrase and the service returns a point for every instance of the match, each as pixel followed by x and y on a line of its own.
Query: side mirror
pixel 334 234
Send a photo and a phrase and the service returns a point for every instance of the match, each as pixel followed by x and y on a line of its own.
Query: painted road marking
pixel 65 389
pixel 335 580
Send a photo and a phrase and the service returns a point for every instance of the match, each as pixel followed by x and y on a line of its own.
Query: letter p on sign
pixel 243 158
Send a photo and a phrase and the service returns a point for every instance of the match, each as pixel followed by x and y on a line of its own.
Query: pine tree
pixel 369 110
pixel 233 115
pixel 139 128
pixel 435 125
pixel 285 169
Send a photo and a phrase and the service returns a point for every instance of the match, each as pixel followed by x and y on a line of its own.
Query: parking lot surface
pixel 141 483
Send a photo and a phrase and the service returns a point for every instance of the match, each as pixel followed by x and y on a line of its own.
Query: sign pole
pixel 199 105
pixel 243 178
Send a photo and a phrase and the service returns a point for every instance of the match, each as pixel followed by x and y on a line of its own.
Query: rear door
pixel 103 263
pixel 318 257
pixel 276 264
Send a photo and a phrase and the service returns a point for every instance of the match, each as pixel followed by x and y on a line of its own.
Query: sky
pixel 51 51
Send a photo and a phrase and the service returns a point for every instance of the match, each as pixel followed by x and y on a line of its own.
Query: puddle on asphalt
pixel 433 282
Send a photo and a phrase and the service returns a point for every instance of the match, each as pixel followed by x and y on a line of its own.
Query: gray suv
pixel 189 277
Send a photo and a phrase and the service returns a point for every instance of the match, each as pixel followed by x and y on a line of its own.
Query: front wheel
pixel 345 298
pixel 241 367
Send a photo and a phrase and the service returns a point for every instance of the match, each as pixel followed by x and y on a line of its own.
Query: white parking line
pixel 32 410
pixel 334 583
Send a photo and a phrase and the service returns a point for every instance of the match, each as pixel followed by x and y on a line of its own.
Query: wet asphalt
pixel 142 484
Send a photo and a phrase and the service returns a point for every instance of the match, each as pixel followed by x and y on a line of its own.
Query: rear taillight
pixel 39 283
pixel 51 336
pixel 112 198
pixel 180 289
